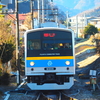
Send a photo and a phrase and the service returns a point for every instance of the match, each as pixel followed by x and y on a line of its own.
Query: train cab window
pixel 67 45
pixel 49 43
pixel 33 45
pixel 56 46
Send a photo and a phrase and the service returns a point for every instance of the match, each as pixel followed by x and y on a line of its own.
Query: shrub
pixel 1 93
pixel 5 79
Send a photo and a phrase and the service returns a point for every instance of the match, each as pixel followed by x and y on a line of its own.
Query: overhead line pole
pixel 32 16
pixel 38 12
pixel 76 26
pixel 17 41
pixel 67 20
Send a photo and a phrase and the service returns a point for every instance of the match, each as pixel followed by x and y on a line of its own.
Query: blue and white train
pixel 49 58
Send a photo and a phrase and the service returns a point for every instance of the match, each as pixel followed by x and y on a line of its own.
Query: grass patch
pixel 83 40
pixel 78 51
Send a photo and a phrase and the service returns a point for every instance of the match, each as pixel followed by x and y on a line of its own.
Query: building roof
pixel 13 16
pixel 52 24
pixel 22 16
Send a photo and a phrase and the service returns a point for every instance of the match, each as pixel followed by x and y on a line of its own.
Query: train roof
pixel 50 24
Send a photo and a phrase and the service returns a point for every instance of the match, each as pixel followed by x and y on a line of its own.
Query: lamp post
pixel 17 42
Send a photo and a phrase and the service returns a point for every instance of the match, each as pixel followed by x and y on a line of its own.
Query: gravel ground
pixel 83 90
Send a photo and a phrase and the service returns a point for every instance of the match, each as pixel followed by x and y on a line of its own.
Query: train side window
pixel 32 46
pixel 36 45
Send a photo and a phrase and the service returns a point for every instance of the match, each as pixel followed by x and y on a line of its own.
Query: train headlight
pixel 32 63
pixel 67 62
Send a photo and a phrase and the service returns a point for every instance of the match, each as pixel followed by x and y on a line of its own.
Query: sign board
pixel 93 80
pixel 93 72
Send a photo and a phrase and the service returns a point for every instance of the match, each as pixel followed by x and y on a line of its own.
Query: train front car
pixel 49 58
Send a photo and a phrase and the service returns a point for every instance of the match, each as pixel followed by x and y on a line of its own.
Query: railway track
pixel 39 95
pixel 52 95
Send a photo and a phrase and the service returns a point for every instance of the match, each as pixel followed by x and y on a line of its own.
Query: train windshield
pixel 49 43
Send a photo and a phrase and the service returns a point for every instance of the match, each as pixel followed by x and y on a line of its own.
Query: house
pixel 22 18
pixel 2 6
pixel 94 21
pixel 78 23
pixel 6 2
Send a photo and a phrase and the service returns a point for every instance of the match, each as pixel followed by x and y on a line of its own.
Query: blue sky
pixel 77 4
pixel 66 3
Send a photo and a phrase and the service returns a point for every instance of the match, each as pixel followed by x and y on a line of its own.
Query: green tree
pixel 6 52
pixel 27 22
pixel 65 23
pixel 7 42
pixel 99 29
pixel 90 30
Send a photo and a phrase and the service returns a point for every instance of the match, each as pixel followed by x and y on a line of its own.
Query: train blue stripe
pixel 50 63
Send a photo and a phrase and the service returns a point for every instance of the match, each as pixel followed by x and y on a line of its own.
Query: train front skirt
pixel 52 86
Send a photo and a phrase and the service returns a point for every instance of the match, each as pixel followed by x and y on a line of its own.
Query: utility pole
pixel 76 26
pixel 32 16
pixel 56 14
pixel 67 19
pixel 85 20
pixel 47 14
pixel 17 41
pixel 42 11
